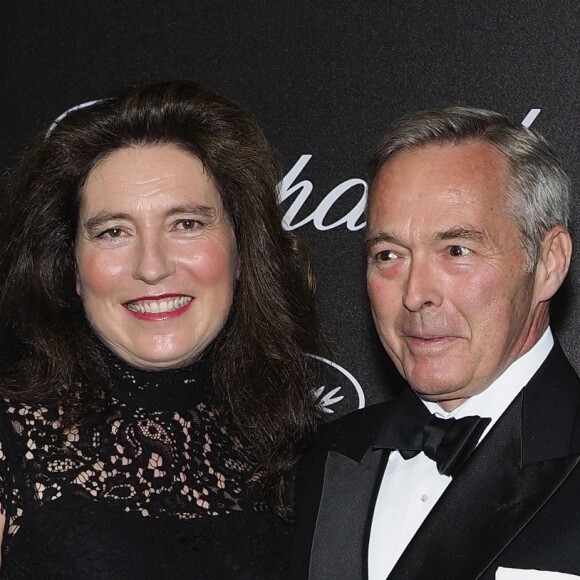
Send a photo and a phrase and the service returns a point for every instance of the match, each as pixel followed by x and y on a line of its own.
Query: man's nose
pixel 423 286
pixel 152 262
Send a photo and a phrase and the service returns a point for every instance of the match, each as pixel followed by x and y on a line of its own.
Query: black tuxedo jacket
pixel 515 503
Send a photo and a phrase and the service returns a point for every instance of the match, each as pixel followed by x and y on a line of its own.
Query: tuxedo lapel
pixel 339 546
pixel 504 483
pixel 352 475
pixel 484 508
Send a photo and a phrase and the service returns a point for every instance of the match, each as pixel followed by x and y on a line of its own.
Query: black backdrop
pixel 325 79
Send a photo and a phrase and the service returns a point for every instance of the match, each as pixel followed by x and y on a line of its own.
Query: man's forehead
pixel 474 152
pixel 441 192
pixel 445 170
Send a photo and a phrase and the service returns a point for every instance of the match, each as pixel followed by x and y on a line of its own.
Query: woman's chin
pixel 152 360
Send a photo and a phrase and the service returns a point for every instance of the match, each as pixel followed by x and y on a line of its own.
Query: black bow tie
pixel 410 429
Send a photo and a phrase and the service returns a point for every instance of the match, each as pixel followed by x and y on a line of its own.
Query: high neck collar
pixel 165 390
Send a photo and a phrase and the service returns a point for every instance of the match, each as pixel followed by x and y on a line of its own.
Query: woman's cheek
pixel 99 272
pixel 211 263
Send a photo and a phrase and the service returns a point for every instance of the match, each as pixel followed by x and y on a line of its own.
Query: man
pixel 473 471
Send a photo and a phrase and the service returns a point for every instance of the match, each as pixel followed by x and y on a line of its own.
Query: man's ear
pixel 553 262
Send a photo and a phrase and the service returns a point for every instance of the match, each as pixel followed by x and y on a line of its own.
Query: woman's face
pixel 155 256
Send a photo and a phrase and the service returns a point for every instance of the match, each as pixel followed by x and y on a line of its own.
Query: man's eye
pixel 385 256
pixel 459 251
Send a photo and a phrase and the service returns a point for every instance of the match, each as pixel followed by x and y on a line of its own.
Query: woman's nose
pixel 153 262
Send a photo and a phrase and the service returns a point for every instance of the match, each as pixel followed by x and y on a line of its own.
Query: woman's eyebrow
pixel 191 208
pixel 104 217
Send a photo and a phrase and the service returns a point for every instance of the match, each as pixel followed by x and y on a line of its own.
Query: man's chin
pixel 443 394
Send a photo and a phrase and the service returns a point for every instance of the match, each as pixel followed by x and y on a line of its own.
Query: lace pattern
pixel 159 450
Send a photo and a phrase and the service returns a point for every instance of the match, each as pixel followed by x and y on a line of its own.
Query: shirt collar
pixel 494 400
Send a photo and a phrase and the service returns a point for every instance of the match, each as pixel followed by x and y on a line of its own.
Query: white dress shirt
pixel 411 487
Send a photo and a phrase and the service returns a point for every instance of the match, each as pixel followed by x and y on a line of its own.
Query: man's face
pixel 446 275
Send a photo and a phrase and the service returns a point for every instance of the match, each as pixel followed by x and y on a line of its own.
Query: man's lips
pixel 159 307
pixel 429 340
pixel 427 336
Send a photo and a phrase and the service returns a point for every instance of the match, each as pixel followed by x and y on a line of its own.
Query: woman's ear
pixel 553 262
pixel 78 284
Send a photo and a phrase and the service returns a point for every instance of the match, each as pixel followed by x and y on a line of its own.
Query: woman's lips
pixel 159 307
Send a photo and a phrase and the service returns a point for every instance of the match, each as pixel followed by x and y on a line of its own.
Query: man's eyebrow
pixel 460 233
pixel 454 233
pixel 379 238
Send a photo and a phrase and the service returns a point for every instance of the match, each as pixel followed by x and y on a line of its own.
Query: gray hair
pixel 538 191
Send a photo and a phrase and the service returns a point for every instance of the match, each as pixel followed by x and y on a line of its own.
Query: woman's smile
pixel 157 308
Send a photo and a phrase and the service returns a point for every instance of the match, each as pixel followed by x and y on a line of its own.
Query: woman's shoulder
pixel 18 417
pixel 12 406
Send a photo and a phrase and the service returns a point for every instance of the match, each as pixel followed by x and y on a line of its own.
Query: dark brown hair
pixel 261 373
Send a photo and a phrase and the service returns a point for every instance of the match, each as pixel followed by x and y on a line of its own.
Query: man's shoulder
pixel 351 433
pixel 558 367
pixel 359 419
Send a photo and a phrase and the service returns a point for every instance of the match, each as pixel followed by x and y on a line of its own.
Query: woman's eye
pixel 188 224
pixel 459 251
pixel 111 233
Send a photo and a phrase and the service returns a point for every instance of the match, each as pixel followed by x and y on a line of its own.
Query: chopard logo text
pixel 355 190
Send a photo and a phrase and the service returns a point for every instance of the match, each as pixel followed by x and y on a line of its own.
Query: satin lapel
pixel 484 507
pixel 339 546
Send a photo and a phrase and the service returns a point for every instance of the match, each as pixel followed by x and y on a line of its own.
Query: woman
pixel 160 387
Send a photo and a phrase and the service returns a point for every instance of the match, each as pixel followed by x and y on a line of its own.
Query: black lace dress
pixel 155 489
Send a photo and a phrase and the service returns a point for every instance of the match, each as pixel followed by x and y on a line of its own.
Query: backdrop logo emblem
pixel 68 111
pixel 341 391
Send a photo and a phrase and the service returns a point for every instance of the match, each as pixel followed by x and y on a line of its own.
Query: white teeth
pixel 160 306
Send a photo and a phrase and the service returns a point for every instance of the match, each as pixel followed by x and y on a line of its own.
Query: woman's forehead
pixel 148 177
